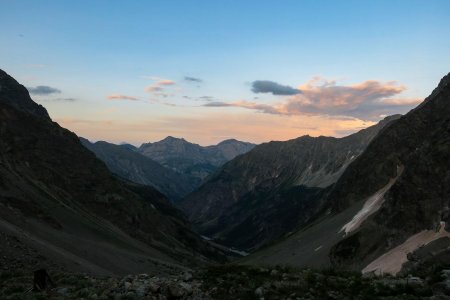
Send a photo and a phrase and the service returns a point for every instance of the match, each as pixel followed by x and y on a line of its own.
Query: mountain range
pixel 174 166
pixel 376 201
pixel 193 160
pixel 61 205
pixel 273 189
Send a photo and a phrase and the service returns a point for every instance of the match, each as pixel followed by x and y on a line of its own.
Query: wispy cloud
pixel 367 100
pixel 43 90
pixel 192 79
pixel 121 97
pixel 65 99
pixel 265 108
pixel 60 99
pixel 159 85
pixel 206 98
pixel 266 86
pixel 166 82
pixel 153 88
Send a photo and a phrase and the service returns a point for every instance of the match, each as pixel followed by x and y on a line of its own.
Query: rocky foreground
pixel 232 282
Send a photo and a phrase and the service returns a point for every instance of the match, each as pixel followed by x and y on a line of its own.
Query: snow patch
pixel 318 248
pixel 370 206
pixel 241 253
pixel 392 261
pixel 206 238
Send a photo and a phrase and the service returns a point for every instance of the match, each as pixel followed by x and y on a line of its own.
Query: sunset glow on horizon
pixel 208 71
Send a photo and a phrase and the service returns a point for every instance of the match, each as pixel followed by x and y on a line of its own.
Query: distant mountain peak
pixel 232 141
pixel 172 138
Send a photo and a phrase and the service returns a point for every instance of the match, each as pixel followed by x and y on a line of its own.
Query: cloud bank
pixel 368 100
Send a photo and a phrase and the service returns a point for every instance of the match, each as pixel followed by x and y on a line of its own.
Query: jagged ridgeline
pixel 274 189
pixel 60 205
pixel 389 211
pixel 375 201
pixel 173 166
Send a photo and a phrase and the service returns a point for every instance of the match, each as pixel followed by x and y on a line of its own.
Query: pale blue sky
pixel 90 50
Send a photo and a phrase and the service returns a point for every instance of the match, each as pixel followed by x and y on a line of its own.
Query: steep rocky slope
pixel 60 201
pixel 131 165
pixel 268 192
pixel 390 209
pixel 193 160
pixel 419 145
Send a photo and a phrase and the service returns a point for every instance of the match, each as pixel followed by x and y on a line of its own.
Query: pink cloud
pixel 158 86
pixel 122 97
pixel 153 88
pixel 166 82
pixel 366 100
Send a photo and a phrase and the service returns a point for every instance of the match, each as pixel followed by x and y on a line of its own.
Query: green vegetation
pixel 234 282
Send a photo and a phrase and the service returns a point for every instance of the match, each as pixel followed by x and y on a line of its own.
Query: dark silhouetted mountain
pixel 389 211
pixel 191 159
pixel 59 200
pixel 127 163
pixel 269 191
pixel 16 95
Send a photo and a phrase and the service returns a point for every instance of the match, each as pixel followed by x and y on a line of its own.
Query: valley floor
pixel 231 282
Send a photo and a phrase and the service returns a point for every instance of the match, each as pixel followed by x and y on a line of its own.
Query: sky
pixel 138 71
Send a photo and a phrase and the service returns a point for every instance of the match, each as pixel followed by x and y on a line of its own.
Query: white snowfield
pixel 392 261
pixel 371 205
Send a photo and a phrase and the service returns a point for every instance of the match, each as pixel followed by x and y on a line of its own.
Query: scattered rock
pixel 186 287
pixel 187 276
pixel 259 292
pixel 175 291
pixel 142 290
pixel 414 281
pixel 154 288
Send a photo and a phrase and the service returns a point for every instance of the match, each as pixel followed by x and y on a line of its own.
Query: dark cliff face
pixel 127 163
pixel 273 189
pixel 55 191
pixel 419 142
